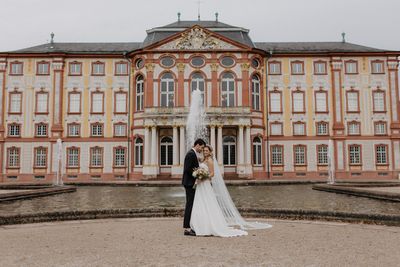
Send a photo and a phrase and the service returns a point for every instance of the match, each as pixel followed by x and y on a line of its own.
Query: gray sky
pixel 27 23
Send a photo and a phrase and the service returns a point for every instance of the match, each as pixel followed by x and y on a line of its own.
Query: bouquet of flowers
pixel 200 174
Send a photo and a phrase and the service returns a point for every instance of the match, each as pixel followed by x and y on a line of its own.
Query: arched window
pixel 139 151
pixel 167 90
pixel 166 151
pixel 229 147
pixel 228 90
pixel 198 82
pixel 139 92
pixel 257 151
pixel 255 92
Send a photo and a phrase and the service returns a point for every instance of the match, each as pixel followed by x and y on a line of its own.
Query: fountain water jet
pixel 331 164
pixel 58 181
pixel 196 124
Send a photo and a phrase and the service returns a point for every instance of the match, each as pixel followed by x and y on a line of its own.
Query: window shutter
pixel 352 101
pixel 379 101
pixel 42 103
pixel 15 103
pixel 120 102
pixel 74 103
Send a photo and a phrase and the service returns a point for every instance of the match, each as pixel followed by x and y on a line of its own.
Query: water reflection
pixel 281 197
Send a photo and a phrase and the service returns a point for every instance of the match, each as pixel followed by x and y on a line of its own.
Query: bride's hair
pixel 211 151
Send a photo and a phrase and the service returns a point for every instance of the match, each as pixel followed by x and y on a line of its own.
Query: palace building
pixel 120 108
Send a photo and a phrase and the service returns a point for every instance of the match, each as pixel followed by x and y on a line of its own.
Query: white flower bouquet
pixel 200 174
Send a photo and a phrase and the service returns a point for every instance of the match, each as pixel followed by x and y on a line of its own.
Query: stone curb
pixel 390 220
pixel 43 191
pixel 358 192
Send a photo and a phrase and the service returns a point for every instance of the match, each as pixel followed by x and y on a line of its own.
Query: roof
pixel 81 48
pixel 238 34
pixel 234 33
pixel 314 47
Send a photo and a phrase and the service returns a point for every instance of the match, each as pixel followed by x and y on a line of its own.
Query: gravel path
pixel 160 242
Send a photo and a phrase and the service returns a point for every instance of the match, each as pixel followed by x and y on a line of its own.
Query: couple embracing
pixel 209 208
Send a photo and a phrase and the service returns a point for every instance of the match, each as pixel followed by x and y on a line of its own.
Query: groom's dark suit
pixel 191 162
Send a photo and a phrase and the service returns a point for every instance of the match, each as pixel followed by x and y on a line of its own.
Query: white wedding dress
pixel 207 217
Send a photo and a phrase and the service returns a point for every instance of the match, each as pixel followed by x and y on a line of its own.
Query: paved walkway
pixel 159 242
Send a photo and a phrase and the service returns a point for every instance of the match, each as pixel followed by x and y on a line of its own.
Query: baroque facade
pixel 120 108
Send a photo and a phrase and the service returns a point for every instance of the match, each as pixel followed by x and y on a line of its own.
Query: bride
pixel 213 210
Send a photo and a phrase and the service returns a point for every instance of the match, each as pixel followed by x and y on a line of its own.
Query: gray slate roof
pixel 82 48
pixel 234 33
pixel 237 34
pixel 314 47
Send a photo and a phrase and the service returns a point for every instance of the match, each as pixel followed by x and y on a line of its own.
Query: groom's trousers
pixel 189 205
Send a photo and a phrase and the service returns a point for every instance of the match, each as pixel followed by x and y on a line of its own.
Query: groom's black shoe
pixel 189 232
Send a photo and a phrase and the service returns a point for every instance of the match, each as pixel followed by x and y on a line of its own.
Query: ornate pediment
pixel 196 39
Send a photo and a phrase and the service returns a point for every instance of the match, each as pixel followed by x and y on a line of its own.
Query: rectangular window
pixel 74 104
pixel 297 68
pixel 96 129
pixel 14 130
pixel 98 68
pixel 377 67
pixel 120 129
pixel 277 155
pixel 299 128
pixel 353 128
pixel 16 68
pixel 352 101
pixel 275 102
pixel 97 102
pixel 379 101
pixel 40 157
pixel 121 68
pixel 381 154
pixel 322 154
pixel 96 157
pixel 43 68
pixel 139 152
pixel 75 68
pixel 42 102
pixel 13 157
pixel 274 68
pixel 322 128
pixel 298 102
pixel 119 157
pixel 74 130
pixel 120 102
pixel 41 130
pixel 351 67
pixel 299 155
pixel 319 68
pixel 380 128
pixel 276 128
pixel 321 102
pixel 15 103
pixel 73 157
pixel 355 155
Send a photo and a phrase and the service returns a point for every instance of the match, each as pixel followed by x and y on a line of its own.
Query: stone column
pixel 146 146
pixel 180 93
pixel 212 138
pixel 148 93
pixel 240 164
pixel 58 67
pixel 182 146
pixel 153 146
pixel 175 169
pixel 249 168
pixel 214 85
pixel 245 85
pixel 220 148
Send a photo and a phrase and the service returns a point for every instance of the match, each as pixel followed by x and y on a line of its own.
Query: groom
pixel 188 181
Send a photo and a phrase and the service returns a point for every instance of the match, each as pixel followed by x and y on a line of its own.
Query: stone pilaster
pixel 58 82
pixel 3 68
pixel 176 170
pixel 245 85
pixel 182 145
pixel 220 151
pixel 338 124
pixel 240 164
pixel 214 85
pixel 148 93
pixel 249 168
pixel 393 68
